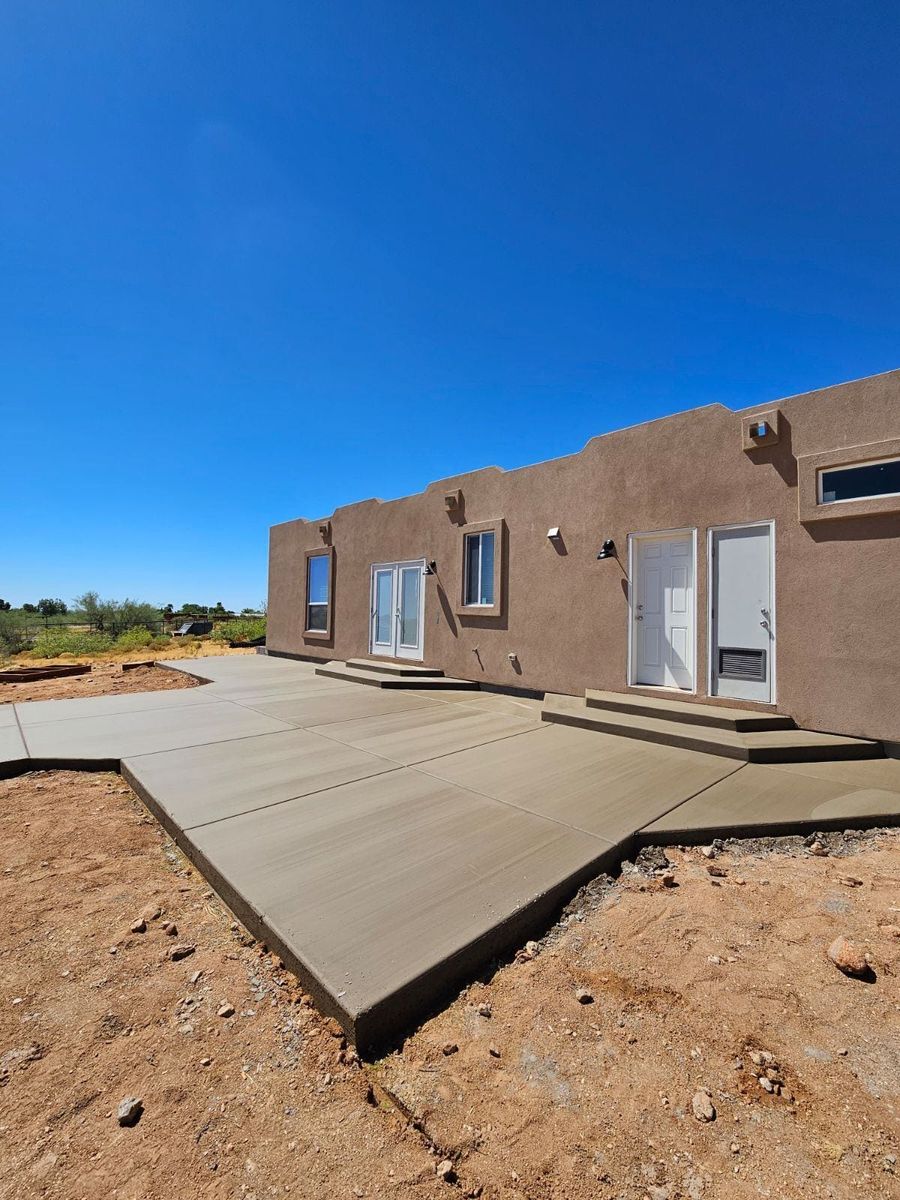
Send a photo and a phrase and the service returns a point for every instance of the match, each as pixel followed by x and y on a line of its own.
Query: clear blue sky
pixel 258 260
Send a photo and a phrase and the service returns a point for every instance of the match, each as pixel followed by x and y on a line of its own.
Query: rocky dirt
pixel 681 1033
pixel 105 679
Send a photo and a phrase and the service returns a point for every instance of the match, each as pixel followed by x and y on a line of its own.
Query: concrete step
pixel 741 720
pixel 391 668
pixel 776 745
pixel 382 679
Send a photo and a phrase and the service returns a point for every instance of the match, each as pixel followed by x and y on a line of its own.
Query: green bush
pixel 51 643
pixel 247 629
pixel 13 634
pixel 162 641
pixel 134 639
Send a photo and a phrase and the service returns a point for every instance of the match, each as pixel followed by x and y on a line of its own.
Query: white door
pixel 398 610
pixel 743 613
pixel 663 611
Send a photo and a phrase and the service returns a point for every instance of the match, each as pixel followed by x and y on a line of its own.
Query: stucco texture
pixel 564 614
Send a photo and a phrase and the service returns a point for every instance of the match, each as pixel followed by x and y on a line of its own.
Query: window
pixel 861 481
pixel 317 589
pixel 479 566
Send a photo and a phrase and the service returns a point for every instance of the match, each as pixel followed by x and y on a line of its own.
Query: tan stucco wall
pixel 566 613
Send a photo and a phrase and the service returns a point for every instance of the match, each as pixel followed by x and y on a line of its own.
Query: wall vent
pixel 736 663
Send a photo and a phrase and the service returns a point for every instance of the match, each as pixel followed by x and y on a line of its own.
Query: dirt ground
pixel 107 677
pixel 694 980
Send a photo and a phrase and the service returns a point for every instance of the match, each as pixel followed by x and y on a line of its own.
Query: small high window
pixel 860 481
pixel 317 588
pixel 479 562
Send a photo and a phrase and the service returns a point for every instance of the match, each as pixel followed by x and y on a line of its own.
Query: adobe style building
pixel 745 558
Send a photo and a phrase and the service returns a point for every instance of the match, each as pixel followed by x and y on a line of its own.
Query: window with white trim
pixel 479 567
pixel 317 587
pixel 860 481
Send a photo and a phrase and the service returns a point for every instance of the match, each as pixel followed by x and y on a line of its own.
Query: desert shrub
pixel 246 629
pixel 13 634
pixel 162 641
pixel 51 643
pixel 190 644
pixel 134 639
pixel 115 617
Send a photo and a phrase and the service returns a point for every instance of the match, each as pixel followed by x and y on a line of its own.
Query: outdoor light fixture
pixel 553 533
pixel 608 549
pixel 760 430
pixel 430 567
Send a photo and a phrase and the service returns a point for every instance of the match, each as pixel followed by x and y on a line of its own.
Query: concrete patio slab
pixel 412 737
pixel 398 841
pixel 341 706
pixel 147 731
pixel 200 784
pixel 454 874
pixel 12 748
pixel 603 785
pixel 873 773
pixel 40 712
pixel 755 801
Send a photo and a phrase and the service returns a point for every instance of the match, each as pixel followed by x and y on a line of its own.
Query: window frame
pixel 473 529
pixel 319 635
pixel 809 471
pixel 854 466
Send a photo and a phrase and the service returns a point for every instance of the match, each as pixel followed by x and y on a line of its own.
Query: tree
pixel 168 610
pixel 29 608
pixel 5 606
pixel 52 608
pixel 89 604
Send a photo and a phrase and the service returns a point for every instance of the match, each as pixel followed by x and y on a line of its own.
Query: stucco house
pixel 749 559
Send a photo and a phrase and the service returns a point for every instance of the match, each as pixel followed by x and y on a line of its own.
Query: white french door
pixel 662 611
pixel 397 610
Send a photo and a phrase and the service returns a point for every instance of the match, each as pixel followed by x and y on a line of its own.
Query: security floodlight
pixel 608 549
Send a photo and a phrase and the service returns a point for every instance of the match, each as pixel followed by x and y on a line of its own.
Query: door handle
pixel 639 617
pixel 765 624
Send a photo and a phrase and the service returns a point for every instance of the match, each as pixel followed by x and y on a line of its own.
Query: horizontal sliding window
pixel 318 585
pixel 860 481
pixel 479 567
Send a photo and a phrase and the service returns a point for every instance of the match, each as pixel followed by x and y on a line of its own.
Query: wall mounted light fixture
pixel 430 567
pixel 608 549
pixel 553 533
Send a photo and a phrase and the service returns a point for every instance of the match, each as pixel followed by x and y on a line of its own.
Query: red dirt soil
pixel 105 679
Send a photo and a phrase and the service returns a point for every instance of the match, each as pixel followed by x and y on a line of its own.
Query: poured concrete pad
pixel 12 748
pixel 384 892
pixel 604 785
pixel 40 712
pixel 767 800
pixel 868 773
pixel 411 737
pixel 148 731
pixel 210 783
pixel 345 704
pixel 7 716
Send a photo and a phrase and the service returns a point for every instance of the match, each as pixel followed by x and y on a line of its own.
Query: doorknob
pixel 639 617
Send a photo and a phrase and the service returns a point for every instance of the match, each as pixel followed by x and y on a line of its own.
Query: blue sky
pixel 257 260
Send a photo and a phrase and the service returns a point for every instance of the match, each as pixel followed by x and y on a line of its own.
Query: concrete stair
pixel 381 667
pixel 394 675
pixel 728 732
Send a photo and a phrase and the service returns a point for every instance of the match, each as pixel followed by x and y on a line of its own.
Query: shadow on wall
pixel 881 527
pixel 780 455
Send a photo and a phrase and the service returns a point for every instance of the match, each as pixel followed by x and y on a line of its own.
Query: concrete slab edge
pixel 763 829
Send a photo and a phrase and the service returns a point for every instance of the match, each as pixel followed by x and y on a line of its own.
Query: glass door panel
pixel 410 581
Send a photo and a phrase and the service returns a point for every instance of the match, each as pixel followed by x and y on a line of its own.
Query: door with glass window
pixel 397 610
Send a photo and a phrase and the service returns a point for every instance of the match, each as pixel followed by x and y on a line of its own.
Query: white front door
pixel 663 611
pixel 743 613
pixel 397 610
